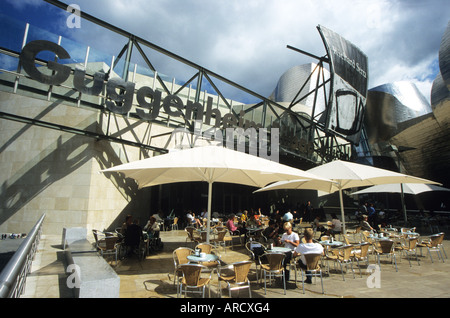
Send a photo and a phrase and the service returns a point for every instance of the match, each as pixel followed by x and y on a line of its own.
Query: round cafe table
pixel 203 258
pixel 278 249
pixel 331 244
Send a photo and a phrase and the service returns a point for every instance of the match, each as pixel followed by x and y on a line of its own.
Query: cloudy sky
pixel 245 40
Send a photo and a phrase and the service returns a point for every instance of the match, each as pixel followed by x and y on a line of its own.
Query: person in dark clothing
pixel 133 236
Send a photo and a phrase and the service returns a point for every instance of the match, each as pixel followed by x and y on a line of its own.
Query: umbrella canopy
pixel 409 188
pixel 350 175
pixel 303 184
pixel 209 164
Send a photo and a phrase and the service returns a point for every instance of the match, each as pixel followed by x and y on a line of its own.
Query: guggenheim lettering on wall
pixel 122 103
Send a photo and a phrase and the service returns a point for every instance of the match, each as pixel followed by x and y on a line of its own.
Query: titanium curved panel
pixel 290 83
pixel 441 84
pixel 389 105
pixel 439 91
pixel 444 56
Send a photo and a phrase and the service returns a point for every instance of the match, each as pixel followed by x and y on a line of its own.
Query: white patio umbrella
pixel 346 175
pixel 303 184
pixel 350 175
pixel 210 164
pixel 408 188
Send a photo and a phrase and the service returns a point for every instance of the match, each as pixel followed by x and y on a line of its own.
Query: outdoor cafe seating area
pixel 234 266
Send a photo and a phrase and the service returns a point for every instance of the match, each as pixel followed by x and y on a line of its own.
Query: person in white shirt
pixel 290 239
pixel 336 225
pixel 288 217
pixel 307 248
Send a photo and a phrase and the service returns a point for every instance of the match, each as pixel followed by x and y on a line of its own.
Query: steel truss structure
pixel 320 145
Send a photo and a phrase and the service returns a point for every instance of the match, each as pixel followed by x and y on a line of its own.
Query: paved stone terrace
pixel 152 277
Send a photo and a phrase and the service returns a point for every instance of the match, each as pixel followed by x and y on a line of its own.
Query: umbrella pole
pixel 208 217
pixel 402 194
pixel 342 210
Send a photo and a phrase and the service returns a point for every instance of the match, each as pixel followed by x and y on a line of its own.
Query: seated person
pixel 128 222
pixel 307 248
pixel 253 221
pixel 234 230
pixel 288 217
pixel 244 218
pixel 152 227
pixel 290 239
pixel 193 220
pixel 133 236
pixel 271 232
pixel 336 225
pixel 365 226
pixel 318 226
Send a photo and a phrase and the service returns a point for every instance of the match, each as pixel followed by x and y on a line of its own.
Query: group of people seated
pixel 334 227
pixel 133 234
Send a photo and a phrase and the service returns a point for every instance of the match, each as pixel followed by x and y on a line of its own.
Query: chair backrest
pixel 111 242
pixel 95 233
pixel 203 235
pixel 364 249
pixel 435 240
pixel 441 237
pixel 175 220
pixel 347 252
pixel 180 255
pixel 275 260
pixel 190 232
pixel 412 243
pixel 191 273
pixel 312 261
pixel 386 246
pixel 346 240
pixel 241 270
pixel 221 235
pixel 205 247
pixel 358 229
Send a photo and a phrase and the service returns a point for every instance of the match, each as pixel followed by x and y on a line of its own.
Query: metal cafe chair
pixel 237 279
pixel 313 269
pixel 192 279
pixel 273 267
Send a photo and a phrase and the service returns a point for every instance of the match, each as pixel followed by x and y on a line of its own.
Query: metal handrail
pixel 13 275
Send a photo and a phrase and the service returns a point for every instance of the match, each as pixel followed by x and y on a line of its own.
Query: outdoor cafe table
pixel 410 233
pixel 278 249
pixel 202 258
pixel 333 244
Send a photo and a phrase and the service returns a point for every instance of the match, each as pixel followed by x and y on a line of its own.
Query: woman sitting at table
pixel 290 239
pixel 193 220
pixel 234 230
